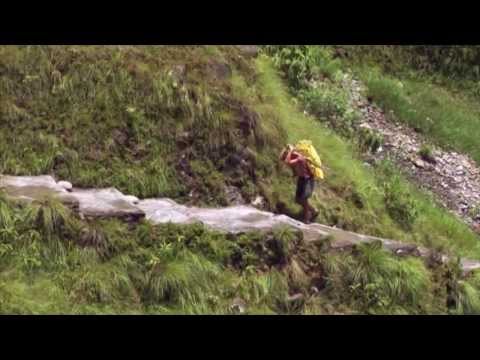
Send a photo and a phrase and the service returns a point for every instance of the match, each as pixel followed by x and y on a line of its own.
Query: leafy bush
pixel 369 140
pixel 295 61
pixel 325 101
pixel 399 201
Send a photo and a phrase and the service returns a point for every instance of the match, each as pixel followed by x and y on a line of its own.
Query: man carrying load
pixel 306 165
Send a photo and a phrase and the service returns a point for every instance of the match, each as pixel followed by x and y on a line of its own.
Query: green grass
pixel 53 262
pixel 346 175
pixel 104 116
pixel 172 269
pixel 376 283
pixel 442 105
pixel 450 120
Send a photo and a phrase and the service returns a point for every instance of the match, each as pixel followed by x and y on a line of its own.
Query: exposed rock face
pixel 102 203
pixel 66 185
pixel 106 203
pixel 242 219
pixel 31 188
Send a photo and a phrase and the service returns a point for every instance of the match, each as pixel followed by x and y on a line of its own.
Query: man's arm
pixel 297 158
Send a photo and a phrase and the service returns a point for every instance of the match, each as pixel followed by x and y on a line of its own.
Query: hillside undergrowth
pixel 185 122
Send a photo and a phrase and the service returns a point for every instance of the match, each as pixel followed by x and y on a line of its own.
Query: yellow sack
pixel 306 148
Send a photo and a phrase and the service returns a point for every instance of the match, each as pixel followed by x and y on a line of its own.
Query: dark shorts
pixel 305 188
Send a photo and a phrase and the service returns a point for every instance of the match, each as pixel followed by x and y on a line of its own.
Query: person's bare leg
pixel 306 212
pixel 313 211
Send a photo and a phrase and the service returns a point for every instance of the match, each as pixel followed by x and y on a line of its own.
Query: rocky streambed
pixel 453 178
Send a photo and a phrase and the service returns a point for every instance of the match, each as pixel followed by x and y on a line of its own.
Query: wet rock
pixel 234 220
pixel 238 306
pixel 407 250
pixel 35 188
pixel 107 203
pixel 258 202
pixel 66 185
pixel 249 50
pixel 132 199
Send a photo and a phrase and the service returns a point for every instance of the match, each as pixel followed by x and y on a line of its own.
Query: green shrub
pixel 426 153
pixel 325 101
pixel 369 140
pixel 399 202
pixel 295 61
pixel 302 63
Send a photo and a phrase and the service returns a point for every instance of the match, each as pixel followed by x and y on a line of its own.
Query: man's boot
pixel 315 214
pixel 307 216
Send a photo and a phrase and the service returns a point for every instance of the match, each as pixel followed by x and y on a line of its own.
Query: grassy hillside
pixel 187 270
pixel 379 202
pixel 184 122
pixel 130 117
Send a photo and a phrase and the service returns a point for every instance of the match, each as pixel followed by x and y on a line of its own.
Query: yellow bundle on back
pixel 306 148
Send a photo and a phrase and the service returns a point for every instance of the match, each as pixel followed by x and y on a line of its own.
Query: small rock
pixel 66 185
pixel 419 163
pixel 238 306
pixel 259 201
pixel 132 199
pixel 296 298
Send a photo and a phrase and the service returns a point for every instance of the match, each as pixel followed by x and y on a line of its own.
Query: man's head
pixel 284 153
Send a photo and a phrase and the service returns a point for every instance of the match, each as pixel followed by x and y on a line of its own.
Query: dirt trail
pixel 110 202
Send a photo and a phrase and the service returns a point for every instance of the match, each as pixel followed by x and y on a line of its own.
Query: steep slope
pixel 203 125
pixel 135 118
